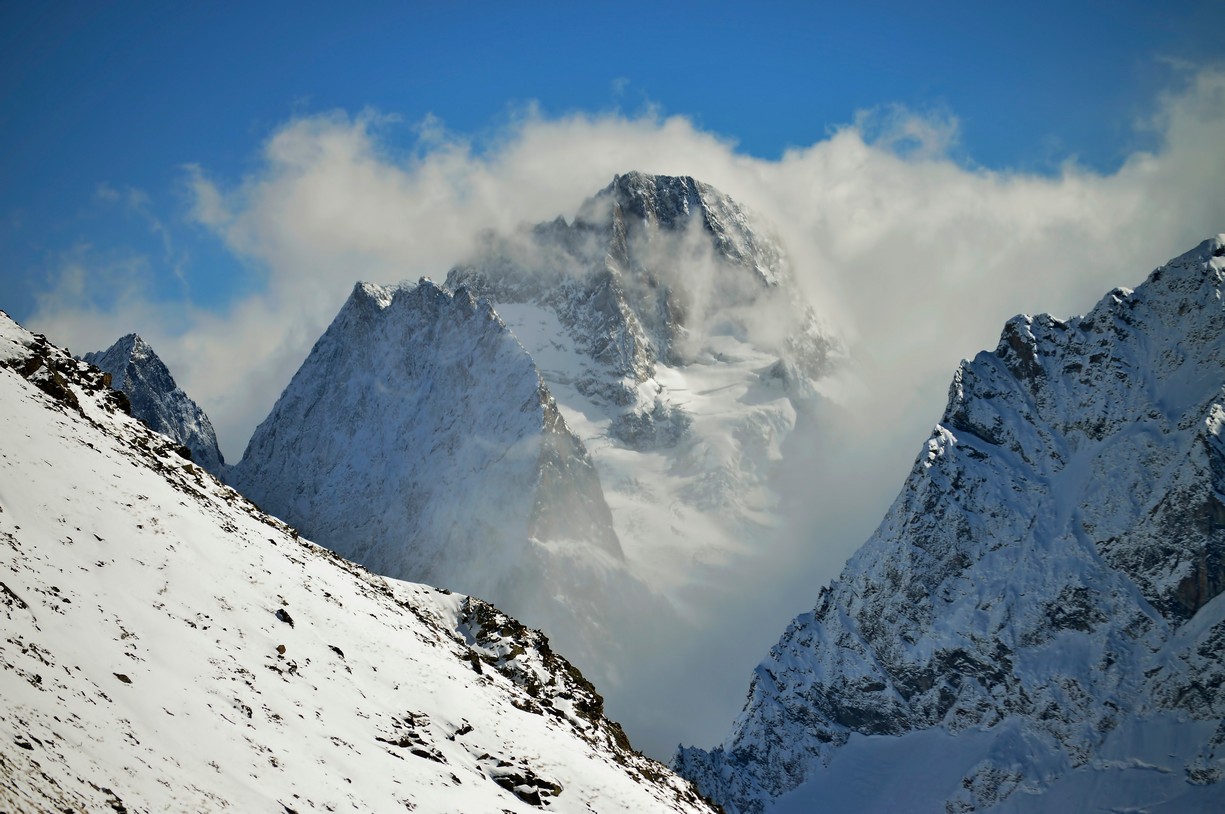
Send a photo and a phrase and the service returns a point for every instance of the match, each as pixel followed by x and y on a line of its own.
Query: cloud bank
pixel 917 258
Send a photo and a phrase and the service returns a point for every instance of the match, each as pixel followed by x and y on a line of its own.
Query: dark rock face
pixel 155 399
pixel 566 470
pixel 1052 559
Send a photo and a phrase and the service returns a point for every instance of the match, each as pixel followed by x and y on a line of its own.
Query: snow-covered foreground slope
pixel 167 647
pixel 1038 623
pixel 156 400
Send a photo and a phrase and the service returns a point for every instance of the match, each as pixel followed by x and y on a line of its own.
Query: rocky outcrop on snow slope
pixel 1047 584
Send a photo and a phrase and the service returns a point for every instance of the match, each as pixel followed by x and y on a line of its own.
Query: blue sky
pixel 118 122
pixel 125 94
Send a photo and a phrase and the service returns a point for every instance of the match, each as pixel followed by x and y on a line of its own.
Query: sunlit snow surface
pixel 167 647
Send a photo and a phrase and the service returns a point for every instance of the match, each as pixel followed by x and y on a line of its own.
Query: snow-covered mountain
pixel 670 330
pixel 155 399
pixel 1038 623
pixel 611 396
pixel 418 439
pixel 168 647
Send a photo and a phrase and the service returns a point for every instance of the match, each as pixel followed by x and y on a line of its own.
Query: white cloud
pixel 919 259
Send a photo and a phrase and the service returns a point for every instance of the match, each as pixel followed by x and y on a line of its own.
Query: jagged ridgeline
pixel 581 424
pixel 1037 624
pixel 169 647
pixel 137 372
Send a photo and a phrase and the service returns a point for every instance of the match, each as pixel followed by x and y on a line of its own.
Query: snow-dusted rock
pixel 168 647
pixel 138 373
pixel 1045 592
pixel 418 439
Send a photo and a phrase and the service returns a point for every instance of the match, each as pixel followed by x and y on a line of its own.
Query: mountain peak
pixel 138 372
pixel 419 439
pixel 664 200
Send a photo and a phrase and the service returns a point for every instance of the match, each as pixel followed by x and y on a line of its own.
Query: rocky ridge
pixel 1047 584
pixel 170 647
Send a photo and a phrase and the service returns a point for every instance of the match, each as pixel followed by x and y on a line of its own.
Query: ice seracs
pixel 169 647
pixel 1043 602
pixel 157 400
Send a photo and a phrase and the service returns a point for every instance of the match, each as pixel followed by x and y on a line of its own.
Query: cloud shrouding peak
pixel 916 258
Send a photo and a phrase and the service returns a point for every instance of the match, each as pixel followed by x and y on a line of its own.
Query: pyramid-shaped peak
pixel 156 398
pixel 130 346
pixel 127 350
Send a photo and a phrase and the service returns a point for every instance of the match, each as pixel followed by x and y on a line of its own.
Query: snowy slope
pixel 167 647
pixel 156 400
pixel 1039 616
